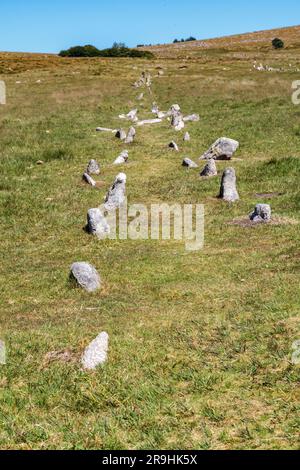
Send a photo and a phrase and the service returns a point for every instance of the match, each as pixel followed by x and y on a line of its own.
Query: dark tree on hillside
pixel 278 43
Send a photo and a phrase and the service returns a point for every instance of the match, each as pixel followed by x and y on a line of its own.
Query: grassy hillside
pixel 200 343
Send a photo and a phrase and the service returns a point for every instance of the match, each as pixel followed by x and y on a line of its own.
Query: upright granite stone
pixel 173 146
pixel 187 137
pixel 93 168
pixel 117 193
pixel 130 136
pixel 85 276
pixel 228 191
pixel 262 213
pixel 96 353
pixel 97 224
pixel 222 149
pixel 210 169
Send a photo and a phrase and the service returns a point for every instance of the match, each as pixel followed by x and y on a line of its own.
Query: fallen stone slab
pixel 105 129
pixel 120 134
pixel 262 213
pixel 222 149
pixel 210 169
pixel 174 146
pixel 130 136
pixel 88 179
pixel 93 168
pixel 97 224
pixel 228 191
pixel 86 276
pixel 148 121
pixel 187 162
pixel 96 353
pixel 192 118
pixel 116 194
pixel 123 158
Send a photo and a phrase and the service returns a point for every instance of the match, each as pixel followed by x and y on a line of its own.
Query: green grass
pixel 200 343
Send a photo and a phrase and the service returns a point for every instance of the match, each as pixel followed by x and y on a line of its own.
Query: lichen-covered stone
pixel 262 213
pixel 228 191
pixel 222 149
pixel 210 169
pixel 96 353
pixel 85 276
pixel 97 224
pixel 93 168
pixel 117 193
pixel 121 159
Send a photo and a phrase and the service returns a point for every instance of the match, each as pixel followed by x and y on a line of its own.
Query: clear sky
pixel 52 25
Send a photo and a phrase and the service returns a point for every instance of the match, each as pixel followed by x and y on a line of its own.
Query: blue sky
pixel 49 26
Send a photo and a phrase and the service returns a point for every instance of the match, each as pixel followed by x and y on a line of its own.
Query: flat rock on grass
pixel 85 276
pixel 222 149
pixel 188 163
pixel 96 353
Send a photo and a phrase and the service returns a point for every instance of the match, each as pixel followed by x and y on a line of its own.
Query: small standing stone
pixel 187 137
pixel 96 353
pixel 262 213
pixel 210 169
pixel 130 136
pixel 86 276
pixel 93 168
pixel 174 146
pixel 116 194
pixel 123 158
pixel 97 224
pixel 187 162
pixel 228 191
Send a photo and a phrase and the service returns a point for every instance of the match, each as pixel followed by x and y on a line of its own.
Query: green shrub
pixel 118 50
pixel 278 43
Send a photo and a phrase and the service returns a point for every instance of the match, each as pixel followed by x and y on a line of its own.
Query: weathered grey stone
pixel 228 191
pixel 86 276
pixel 121 134
pixel 148 121
pixel 97 224
pixel 174 146
pixel 154 109
pixel 140 97
pixel 192 118
pixel 222 149
pixel 130 136
pixel 93 168
pixel 262 213
pixel 123 158
pixel 88 179
pixel 187 137
pixel 105 129
pixel 177 122
pixel 210 168
pixel 116 194
pixel 189 163
pixel 96 353
pixel 132 115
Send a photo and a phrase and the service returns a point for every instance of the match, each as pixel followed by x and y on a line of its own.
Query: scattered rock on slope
pixel 262 213
pixel 210 168
pixel 96 353
pixel 85 276
pixel 228 191
pixel 222 149
pixel 116 194
pixel 187 162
